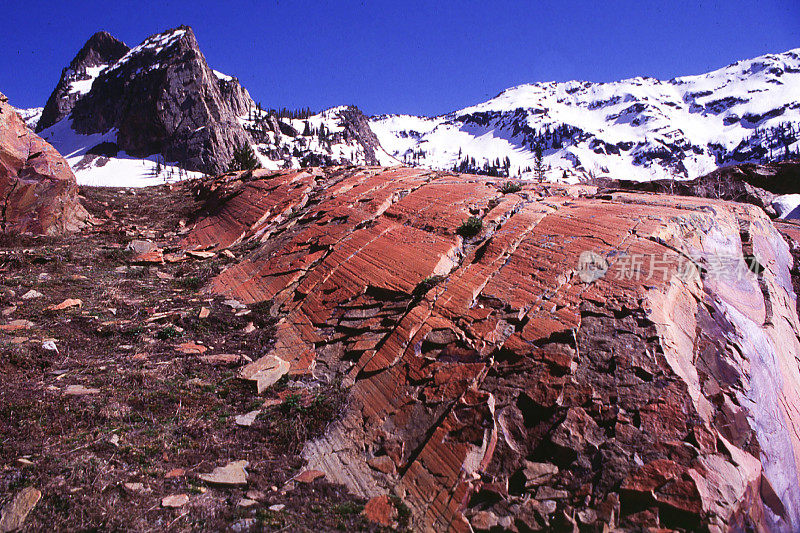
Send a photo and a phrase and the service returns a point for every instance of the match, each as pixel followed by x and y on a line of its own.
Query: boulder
pixel 38 192
pixel 661 391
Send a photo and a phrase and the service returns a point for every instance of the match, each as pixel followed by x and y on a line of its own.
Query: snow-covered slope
pixel 640 128
pixel 31 116
pixel 94 166
pixel 337 136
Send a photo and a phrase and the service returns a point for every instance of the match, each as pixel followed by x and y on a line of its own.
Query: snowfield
pixel 639 128
pixel 120 170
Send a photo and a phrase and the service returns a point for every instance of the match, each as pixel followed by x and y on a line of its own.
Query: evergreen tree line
pixel 774 143
pixel 259 113
pixel 549 137
pixel 497 168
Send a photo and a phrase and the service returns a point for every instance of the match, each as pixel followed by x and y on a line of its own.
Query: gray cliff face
pixel 235 96
pixel 161 98
pixel 356 128
pixel 101 49
pixel 164 99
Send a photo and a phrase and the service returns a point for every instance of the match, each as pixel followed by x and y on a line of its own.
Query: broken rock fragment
pixel 13 515
pixel 265 372
pixel 175 500
pixel 231 474
pixel 380 511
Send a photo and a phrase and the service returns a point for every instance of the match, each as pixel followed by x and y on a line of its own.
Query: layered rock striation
pixel 750 183
pixel 38 193
pixel 573 359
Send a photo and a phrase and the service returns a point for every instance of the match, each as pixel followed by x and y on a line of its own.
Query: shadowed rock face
pixel 162 98
pixel 748 183
pixel 513 380
pixel 38 193
pixel 101 49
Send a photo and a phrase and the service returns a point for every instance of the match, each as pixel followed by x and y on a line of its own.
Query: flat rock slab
pixel 80 390
pixel 16 511
pixel 175 500
pixel 16 325
pixel 149 258
pixel 309 476
pixel 247 419
pixel 66 304
pixel 231 474
pixel 265 372
pixel 381 511
pixel 31 294
pixel 221 359
pixel 141 247
pixel 200 254
pixel 191 348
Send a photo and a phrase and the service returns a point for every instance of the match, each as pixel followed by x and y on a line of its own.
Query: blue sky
pixel 404 57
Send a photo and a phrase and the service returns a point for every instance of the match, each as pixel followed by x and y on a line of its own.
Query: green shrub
pixel 470 227
pixel 510 187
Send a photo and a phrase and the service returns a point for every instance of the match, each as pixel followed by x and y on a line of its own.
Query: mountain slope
pixel 158 112
pixel 337 136
pixel 640 128
pixel 97 54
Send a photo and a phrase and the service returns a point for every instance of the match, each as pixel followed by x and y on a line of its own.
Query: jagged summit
pixel 158 100
pixel 162 98
pixel 120 112
pixel 639 128
pixel 101 50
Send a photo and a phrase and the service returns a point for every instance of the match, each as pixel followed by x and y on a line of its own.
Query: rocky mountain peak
pixel 101 50
pixel 160 100
pixel 159 97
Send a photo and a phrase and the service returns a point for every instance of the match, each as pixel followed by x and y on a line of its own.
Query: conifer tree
pixel 538 162
pixel 244 158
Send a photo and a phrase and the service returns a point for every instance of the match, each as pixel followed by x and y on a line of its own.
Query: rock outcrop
pixel 161 97
pixel 566 360
pixel 356 128
pixel 100 51
pixel 337 136
pixel 38 193
pixel 748 183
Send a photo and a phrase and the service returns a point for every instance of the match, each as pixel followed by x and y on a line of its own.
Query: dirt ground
pixel 153 418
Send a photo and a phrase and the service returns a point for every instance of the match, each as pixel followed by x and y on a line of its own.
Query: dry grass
pixel 157 410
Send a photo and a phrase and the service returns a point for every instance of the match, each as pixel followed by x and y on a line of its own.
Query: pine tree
pixel 244 158
pixel 538 162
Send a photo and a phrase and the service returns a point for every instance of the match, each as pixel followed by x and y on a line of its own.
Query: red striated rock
pixel 38 193
pixel 494 370
pixel 308 476
pixel 380 510
pixel 191 348
pixel 152 257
